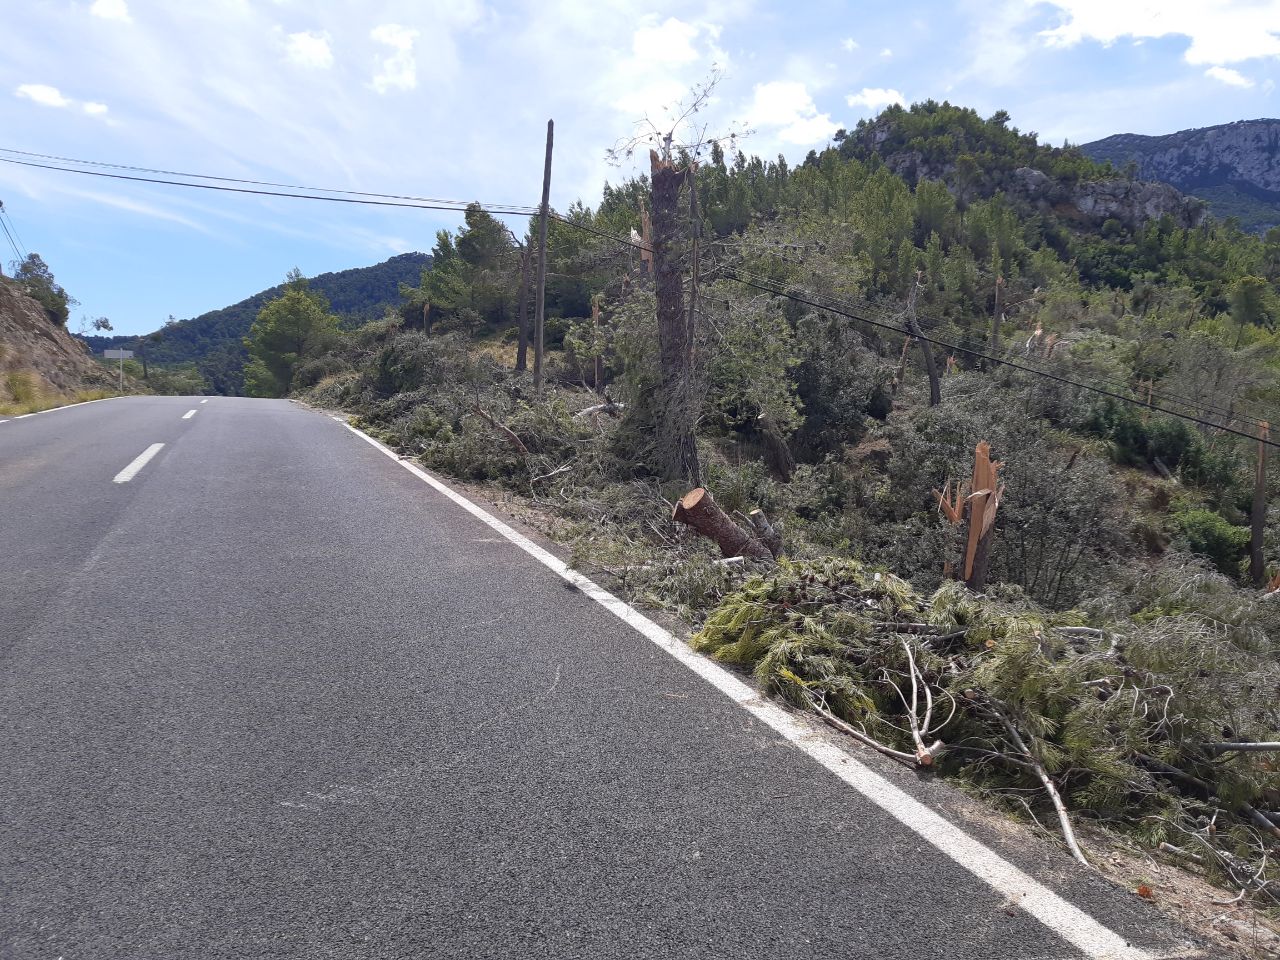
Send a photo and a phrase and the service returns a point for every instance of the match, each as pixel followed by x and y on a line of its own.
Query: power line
pixel 16 252
pixel 770 287
pixel 13 227
pixel 886 324
pixel 260 183
pixel 456 206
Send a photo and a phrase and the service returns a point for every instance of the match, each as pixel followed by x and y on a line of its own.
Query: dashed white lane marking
pixel 204 401
pixel 140 461
pixel 188 415
pixel 1065 919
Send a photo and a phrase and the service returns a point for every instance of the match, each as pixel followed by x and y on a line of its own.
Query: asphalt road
pixel 276 697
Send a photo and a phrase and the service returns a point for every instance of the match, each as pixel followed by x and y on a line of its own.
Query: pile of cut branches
pixel 1161 722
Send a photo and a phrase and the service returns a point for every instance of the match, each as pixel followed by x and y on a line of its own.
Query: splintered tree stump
pixel 699 510
pixel 769 535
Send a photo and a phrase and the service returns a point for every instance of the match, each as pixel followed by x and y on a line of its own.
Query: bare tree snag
pixel 522 311
pixel 926 348
pixel 953 510
pixel 983 502
pixel 677 448
pixel 1258 518
pixel 699 510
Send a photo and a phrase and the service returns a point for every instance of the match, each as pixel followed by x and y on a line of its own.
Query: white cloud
pixel 42 94
pixel 1220 31
pixel 849 44
pixel 309 50
pixel 1232 78
pixel 670 42
pixel 875 99
pixel 886 53
pixel 93 108
pixel 397 70
pixel 787 106
pixel 111 10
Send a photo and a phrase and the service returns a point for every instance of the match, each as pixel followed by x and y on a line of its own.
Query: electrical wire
pixel 13 227
pixel 846 308
pixel 455 206
pixel 260 183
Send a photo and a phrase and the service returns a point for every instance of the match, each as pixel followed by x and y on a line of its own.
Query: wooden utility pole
pixel 1258 519
pixel 540 312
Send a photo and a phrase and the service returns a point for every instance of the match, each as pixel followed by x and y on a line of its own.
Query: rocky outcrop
pixel 30 342
pixel 1093 202
pixel 1236 166
pixel 1246 152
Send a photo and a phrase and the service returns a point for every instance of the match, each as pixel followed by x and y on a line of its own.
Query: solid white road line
pixel 1065 919
pixel 140 461
pixel 23 416
pixel 188 415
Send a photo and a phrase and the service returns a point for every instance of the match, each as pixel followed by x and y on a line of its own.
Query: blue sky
pixel 451 99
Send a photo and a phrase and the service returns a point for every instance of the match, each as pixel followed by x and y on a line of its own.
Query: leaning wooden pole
pixel 540 311
pixel 1258 518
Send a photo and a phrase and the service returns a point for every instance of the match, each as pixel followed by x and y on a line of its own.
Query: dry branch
pixel 502 428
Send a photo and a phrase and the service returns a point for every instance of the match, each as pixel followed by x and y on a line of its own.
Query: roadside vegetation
pixel 1112 658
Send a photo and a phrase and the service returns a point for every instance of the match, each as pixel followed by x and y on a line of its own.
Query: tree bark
pixel 522 312
pixel 677 449
pixel 699 510
pixel 777 452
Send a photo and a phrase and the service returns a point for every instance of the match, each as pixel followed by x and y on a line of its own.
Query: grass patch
pixel 25 392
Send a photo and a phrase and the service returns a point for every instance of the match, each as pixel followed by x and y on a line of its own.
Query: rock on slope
pixel 29 342
pixel 1235 166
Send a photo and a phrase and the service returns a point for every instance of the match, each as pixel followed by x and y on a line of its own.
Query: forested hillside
pixel 213 340
pixel 940 407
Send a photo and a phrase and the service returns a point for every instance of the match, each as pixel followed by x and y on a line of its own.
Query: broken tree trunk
pixel 677 449
pixel 502 428
pixel 984 501
pixel 699 510
pixel 926 348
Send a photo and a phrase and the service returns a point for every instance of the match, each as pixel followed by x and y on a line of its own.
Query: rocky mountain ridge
pixel 1235 167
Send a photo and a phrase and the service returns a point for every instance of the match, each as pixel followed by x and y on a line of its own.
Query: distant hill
pixel 213 340
pixel 1235 167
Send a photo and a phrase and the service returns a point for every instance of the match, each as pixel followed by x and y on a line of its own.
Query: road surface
pixel 270 694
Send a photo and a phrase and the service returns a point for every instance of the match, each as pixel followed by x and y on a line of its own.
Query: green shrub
pixel 1209 535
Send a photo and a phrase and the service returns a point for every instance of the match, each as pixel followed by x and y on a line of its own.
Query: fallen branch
pixel 503 429
pixel 1241 747
pixel 833 721
pixel 1068 833
pixel 608 407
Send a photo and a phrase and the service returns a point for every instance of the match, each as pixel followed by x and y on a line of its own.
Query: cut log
pixel 699 510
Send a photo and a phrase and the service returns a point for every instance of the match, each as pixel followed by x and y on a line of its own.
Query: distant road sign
pixel 118 354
